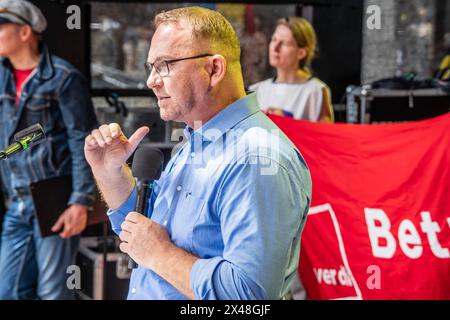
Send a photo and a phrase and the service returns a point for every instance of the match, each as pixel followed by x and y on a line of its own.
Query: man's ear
pixel 218 69
pixel 25 32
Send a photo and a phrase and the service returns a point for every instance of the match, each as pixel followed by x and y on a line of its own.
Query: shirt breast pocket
pixel 37 110
pixel 186 216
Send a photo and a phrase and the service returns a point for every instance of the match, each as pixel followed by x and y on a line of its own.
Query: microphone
pixel 147 167
pixel 23 139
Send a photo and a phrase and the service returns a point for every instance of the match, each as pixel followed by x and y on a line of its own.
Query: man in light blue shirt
pixel 229 208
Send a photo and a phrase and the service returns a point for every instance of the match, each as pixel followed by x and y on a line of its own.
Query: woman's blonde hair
pixel 304 35
pixel 206 25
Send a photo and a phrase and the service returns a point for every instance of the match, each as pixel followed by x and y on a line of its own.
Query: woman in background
pixel 294 91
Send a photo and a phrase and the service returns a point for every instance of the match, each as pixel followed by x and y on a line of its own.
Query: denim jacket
pixel 57 96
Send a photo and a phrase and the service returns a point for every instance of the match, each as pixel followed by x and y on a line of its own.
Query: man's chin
pixel 168 116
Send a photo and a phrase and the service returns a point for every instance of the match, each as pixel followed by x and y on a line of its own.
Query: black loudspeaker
pixel 377 105
pixel 408 108
pixel 98 281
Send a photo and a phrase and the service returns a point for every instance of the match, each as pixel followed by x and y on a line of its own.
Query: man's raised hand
pixel 107 148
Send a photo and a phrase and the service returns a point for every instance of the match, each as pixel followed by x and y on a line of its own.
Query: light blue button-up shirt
pixel 236 195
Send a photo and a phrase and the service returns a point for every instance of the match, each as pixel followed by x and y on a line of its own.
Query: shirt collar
pixel 225 119
pixel 45 68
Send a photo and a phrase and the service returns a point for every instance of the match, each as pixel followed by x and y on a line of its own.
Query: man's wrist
pixel 115 186
pixel 100 173
pixel 81 198
pixel 165 252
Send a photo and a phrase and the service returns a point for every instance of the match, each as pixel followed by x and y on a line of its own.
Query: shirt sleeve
pixel 117 216
pixel 79 119
pixel 261 217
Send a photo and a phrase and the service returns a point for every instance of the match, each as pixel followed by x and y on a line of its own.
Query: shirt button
pixel 192 154
pixel 133 291
pixel 179 188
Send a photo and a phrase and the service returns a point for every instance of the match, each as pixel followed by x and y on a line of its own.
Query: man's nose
pixel 154 80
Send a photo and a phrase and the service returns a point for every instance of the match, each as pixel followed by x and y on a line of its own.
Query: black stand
pixel 105 256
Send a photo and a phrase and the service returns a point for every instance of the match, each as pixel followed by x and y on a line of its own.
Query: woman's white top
pixel 303 100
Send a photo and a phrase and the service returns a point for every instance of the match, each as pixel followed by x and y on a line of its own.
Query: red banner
pixel 379 223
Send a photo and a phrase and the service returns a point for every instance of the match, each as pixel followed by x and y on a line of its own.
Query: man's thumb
pixel 57 226
pixel 137 137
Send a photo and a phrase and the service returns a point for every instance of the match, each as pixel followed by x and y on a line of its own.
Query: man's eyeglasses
pixel 162 66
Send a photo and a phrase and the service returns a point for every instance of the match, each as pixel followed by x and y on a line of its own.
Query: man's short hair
pixel 207 26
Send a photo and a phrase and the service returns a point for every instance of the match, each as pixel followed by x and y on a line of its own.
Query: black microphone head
pixel 147 163
pixel 34 133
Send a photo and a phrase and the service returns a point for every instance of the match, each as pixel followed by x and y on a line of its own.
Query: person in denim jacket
pixel 37 87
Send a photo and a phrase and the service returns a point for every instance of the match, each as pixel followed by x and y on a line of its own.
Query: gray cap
pixel 22 12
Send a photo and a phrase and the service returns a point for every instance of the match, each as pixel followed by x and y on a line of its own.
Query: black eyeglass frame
pixel 149 66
